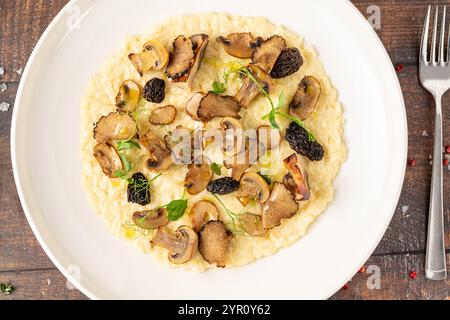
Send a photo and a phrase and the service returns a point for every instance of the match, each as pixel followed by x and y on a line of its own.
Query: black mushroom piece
pixel 249 89
pixel 306 98
pixel 296 180
pixel 138 189
pixel 115 126
pixel 281 205
pixel 150 219
pixel 155 90
pixel 240 45
pixel 299 141
pixel 186 58
pixel 223 186
pixel 215 243
pixel 182 245
pixel 160 155
pixel 266 55
pixel 163 115
pixel 288 63
pixel 198 176
pixel 214 105
pixel 108 158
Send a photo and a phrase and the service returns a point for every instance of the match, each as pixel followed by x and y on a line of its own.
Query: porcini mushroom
pixel 253 187
pixel 296 180
pixel 200 43
pixel 163 115
pixel 150 219
pixel 306 98
pixel 202 212
pixel 238 164
pixel 193 104
pixel 115 126
pixel 198 176
pixel 234 135
pixel 266 55
pixel 280 205
pixel 160 156
pixel 240 45
pixel 250 89
pixel 215 243
pixel 153 56
pixel 128 97
pixel 182 245
pixel 108 158
pixel 214 105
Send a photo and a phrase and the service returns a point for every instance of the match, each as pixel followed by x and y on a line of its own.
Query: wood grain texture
pixel 23 262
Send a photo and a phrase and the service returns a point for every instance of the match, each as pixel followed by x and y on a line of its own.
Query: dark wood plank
pixel 23 262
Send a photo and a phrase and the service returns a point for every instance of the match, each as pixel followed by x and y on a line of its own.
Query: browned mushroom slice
pixel 295 180
pixel 198 176
pixel 234 135
pixel 115 126
pixel 108 158
pixel 252 224
pixel 181 59
pixel 250 89
pixel 150 219
pixel 306 98
pixel 268 52
pixel 238 164
pixel 160 156
pixel 202 212
pixel 214 105
pixel 193 104
pixel 200 43
pixel 253 187
pixel 240 45
pixel 280 205
pixel 153 56
pixel 215 243
pixel 128 97
pixel 163 115
pixel 183 244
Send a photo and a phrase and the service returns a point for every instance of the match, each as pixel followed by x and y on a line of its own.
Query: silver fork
pixel 435 77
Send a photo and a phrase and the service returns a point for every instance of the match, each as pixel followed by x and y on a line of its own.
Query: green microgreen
pixel 7 289
pixel 218 87
pixel 216 168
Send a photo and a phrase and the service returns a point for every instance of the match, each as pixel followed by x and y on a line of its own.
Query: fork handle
pixel 435 267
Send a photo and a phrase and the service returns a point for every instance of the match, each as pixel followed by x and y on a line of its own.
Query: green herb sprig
pixel 7 289
pixel 176 208
pixel 216 168
pixel 218 87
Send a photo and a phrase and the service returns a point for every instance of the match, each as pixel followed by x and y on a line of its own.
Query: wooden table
pixel 402 250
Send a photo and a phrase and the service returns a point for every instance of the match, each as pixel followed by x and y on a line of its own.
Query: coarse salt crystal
pixel 3 87
pixel 405 209
pixel 425 134
pixel 49 282
pixel 2 71
pixel 4 106
pixel 19 71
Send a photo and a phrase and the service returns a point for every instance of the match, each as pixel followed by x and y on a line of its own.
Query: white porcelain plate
pixel 47 168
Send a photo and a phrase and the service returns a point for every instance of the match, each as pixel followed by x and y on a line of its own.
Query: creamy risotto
pixel 233 215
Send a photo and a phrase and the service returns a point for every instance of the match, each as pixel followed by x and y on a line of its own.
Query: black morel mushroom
pixel 223 186
pixel 154 90
pixel 298 139
pixel 139 190
pixel 288 63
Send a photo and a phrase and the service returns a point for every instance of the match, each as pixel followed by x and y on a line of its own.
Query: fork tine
pixel 424 46
pixel 442 58
pixel 434 39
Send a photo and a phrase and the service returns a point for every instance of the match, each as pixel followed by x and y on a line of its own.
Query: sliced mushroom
pixel 200 43
pixel 186 57
pixel 115 126
pixel 215 243
pixel 160 156
pixel 193 104
pixel 128 97
pixel 250 89
pixel 234 135
pixel 295 180
pixel 214 105
pixel 268 138
pixel 182 245
pixel 306 98
pixel 202 212
pixel 252 224
pixel 253 187
pixel 153 56
pixel 238 164
pixel 108 158
pixel 266 55
pixel 151 219
pixel 198 176
pixel 240 45
pixel 280 205
pixel 163 115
